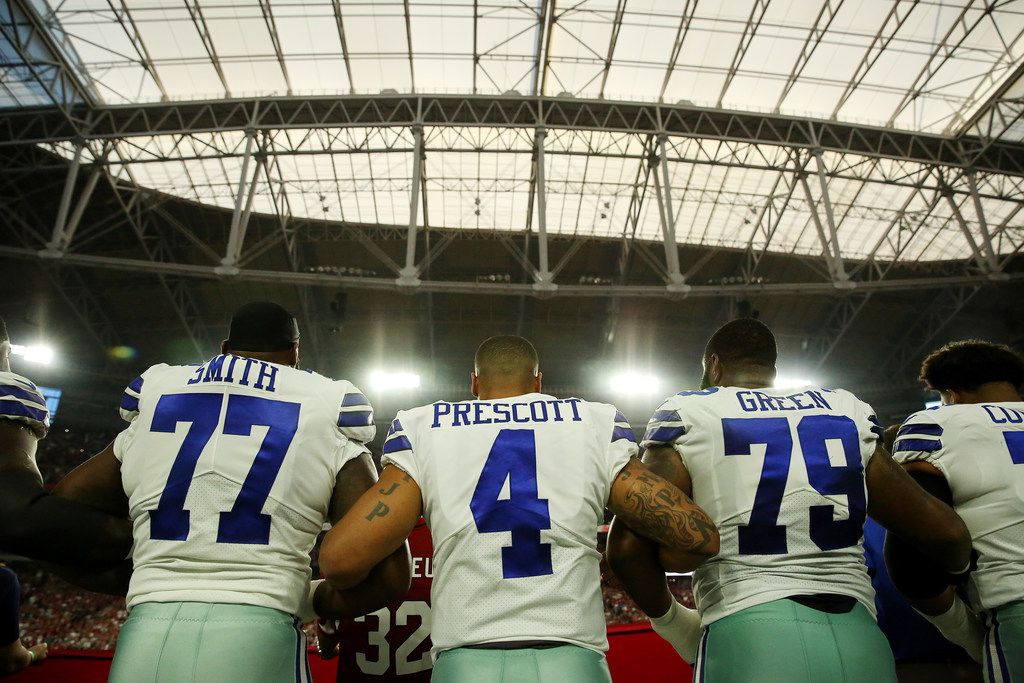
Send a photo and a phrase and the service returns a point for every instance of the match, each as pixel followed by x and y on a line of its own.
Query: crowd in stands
pixel 69 618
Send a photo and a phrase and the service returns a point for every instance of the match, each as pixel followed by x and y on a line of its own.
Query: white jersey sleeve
pixel 355 417
pixel 398 450
pixel 622 447
pixel 21 402
pixel 129 409
pixel 920 439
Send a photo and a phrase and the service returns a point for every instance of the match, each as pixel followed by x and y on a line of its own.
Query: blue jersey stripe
pixel 129 402
pixel 17 392
pixel 619 417
pixel 666 416
pixel 399 443
pixel 13 408
pixel 136 385
pixel 623 433
pixel 362 418
pixel 355 399
pixel 920 429
pixel 396 426
pixel 664 434
pixel 926 445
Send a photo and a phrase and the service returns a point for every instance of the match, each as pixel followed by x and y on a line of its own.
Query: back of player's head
pixel 506 358
pixel 741 342
pixel 966 365
pixel 262 326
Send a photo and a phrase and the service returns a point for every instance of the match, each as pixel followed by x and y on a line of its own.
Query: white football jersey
pixel 229 467
pixel 781 472
pixel 513 492
pixel 21 402
pixel 979 448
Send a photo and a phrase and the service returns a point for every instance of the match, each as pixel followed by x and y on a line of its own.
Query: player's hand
pixel 15 657
pixel 327 643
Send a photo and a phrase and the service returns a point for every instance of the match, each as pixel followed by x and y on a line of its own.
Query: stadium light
pixel 785 382
pixel 34 354
pixel 635 383
pixel 382 380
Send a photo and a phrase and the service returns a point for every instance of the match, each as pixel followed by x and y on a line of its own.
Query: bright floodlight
pixel 784 382
pixel 635 383
pixel 33 354
pixel 394 380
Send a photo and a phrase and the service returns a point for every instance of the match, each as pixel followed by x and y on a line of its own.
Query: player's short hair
pixel 966 365
pixel 262 326
pixel 744 341
pixel 506 355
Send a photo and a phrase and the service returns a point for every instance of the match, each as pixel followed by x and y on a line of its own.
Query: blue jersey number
pixel 513 456
pixel 245 522
pixel 1015 444
pixel 763 535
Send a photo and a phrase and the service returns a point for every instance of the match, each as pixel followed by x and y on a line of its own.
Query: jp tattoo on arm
pixel 382 509
pixel 655 508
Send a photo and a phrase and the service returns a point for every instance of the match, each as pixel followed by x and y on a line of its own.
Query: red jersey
pixel 393 643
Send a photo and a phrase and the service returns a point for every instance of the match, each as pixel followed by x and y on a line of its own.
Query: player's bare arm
pixel 48 527
pixel 366 579
pixel 640 563
pixel 657 509
pixel 920 519
pixel 375 527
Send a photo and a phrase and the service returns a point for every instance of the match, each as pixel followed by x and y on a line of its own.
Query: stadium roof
pixel 932 69
pixel 828 151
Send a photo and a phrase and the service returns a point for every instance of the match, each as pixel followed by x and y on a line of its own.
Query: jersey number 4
pixel 244 523
pixel 513 458
pixel 763 535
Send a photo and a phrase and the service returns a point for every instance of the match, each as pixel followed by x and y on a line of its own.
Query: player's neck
pixel 746 380
pixel 992 392
pixel 495 393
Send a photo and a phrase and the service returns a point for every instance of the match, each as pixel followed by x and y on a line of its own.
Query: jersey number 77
pixel 245 522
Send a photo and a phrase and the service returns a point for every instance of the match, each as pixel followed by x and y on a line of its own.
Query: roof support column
pixel 544 275
pixel 55 248
pixel 829 241
pixel 662 187
pixel 236 237
pixel 408 276
pixel 991 258
pixel 980 257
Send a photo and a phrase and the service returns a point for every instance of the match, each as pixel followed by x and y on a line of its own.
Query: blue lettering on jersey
pixel 1001 415
pixel 467 414
pixel 754 401
pixel 213 371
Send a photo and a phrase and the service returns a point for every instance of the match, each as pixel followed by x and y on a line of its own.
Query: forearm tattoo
pixel 382 509
pixel 657 509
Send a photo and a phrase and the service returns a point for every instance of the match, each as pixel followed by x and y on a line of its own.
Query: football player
pixel 513 487
pixel 34 523
pixel 231 468
pixel 788 475
pixel 391 645
pixel 970 453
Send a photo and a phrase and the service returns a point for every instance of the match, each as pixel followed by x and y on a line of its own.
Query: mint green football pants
pixel 200 642
pixel 1004 644
pixel 786 642
pixel 564 664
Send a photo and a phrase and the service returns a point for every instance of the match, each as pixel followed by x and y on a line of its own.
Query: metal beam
pixel 236 235
pixel 408 276
pixel 663 189
pixel 544 277
pixel 170 268
pixel 21 127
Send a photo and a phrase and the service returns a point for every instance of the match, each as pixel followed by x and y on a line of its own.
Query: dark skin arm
pixel 97 484
pixel 908 511
pixel 640 563
pixel 383 582
pixel 47 527
pixel 908 567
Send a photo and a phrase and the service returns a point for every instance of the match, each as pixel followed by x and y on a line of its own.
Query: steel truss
pixel 32 126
